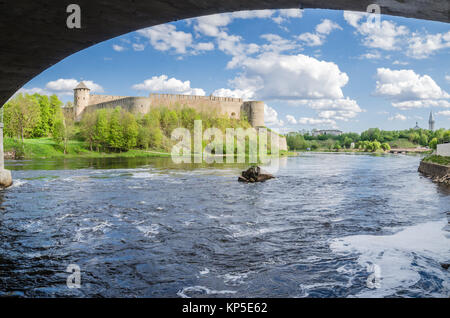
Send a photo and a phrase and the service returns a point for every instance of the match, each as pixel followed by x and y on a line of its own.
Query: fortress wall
pixel 97 99
pixel 131 104
pixel 68 112
pixel 223 105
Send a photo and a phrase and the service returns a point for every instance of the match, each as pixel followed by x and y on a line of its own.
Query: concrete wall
pixel 443 150
pixel 23 57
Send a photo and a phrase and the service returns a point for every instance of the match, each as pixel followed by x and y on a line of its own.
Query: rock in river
pixel 254 174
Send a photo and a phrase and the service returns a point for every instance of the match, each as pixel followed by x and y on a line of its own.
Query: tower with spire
pixel 431 122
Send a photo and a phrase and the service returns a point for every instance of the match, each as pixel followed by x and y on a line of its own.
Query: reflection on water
pixel 146 227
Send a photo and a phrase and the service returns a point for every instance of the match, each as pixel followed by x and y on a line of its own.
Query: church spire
pixel 431 121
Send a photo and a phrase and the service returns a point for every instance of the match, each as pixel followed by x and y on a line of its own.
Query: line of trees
pixel 35 116
pixel 31 116
pixel 369 140
pixel 119 130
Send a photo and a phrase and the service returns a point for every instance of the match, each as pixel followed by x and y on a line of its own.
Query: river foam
pixel 395 261
pixel 201 291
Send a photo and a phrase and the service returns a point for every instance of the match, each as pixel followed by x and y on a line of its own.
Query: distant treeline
pixel 370 140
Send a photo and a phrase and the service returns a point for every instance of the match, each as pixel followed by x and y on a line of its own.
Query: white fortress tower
pixel 81 95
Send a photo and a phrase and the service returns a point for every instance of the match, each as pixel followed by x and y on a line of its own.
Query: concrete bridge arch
pixel 34 34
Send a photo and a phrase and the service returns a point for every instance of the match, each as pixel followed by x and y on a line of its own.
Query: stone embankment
pixel 438 173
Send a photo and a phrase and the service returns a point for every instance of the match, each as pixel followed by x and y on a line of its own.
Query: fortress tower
pixel 431 122
pixel 80 99
pixel 255 113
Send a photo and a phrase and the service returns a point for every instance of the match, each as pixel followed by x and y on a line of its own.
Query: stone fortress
pixel 233 107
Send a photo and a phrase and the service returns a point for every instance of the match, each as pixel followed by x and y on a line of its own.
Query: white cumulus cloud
pixel 386 35
pixel 291 119
pixel 271 117
pixel 236 93
pixel 118 48
pixel 444 113
pixel 290 77
pixel 407 85
pixel 65 86
pixel 316 121
pixel 397 117
pixel 138 46
pixel 326 26
pixel 165 37
pixel 322 30
pixel 423 45
pixel 62 87
pixel 408 89
pixel 164 84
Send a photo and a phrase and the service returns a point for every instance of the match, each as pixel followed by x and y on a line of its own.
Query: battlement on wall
pixel 185 98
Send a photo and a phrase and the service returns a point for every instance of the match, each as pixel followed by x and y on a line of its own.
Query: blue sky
pixel 312 68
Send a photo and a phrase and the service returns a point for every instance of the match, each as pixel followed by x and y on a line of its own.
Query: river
pixel 329 225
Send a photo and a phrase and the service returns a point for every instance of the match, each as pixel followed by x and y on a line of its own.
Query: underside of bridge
pixel 34 34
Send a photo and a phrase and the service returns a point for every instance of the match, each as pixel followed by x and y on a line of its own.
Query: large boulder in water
pixel 254 174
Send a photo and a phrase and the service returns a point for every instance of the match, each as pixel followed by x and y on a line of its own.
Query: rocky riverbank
pixel 437 172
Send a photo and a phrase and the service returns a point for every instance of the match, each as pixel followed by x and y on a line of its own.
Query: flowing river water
pixel 329 225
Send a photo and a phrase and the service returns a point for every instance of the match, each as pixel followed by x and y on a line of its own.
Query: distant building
pixel 431 121
pixel 332 132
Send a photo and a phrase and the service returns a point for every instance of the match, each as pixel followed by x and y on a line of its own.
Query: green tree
pixel 88 127
pixel 62 130
pixel 115 137
pixel 101 129
pixel 337 146
pixel 423 140
pixel 347 142
pixel 130 130
pixel 169 121
pixel 433 143
pixel 23 115
pixel 43 128
pixel 385 146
